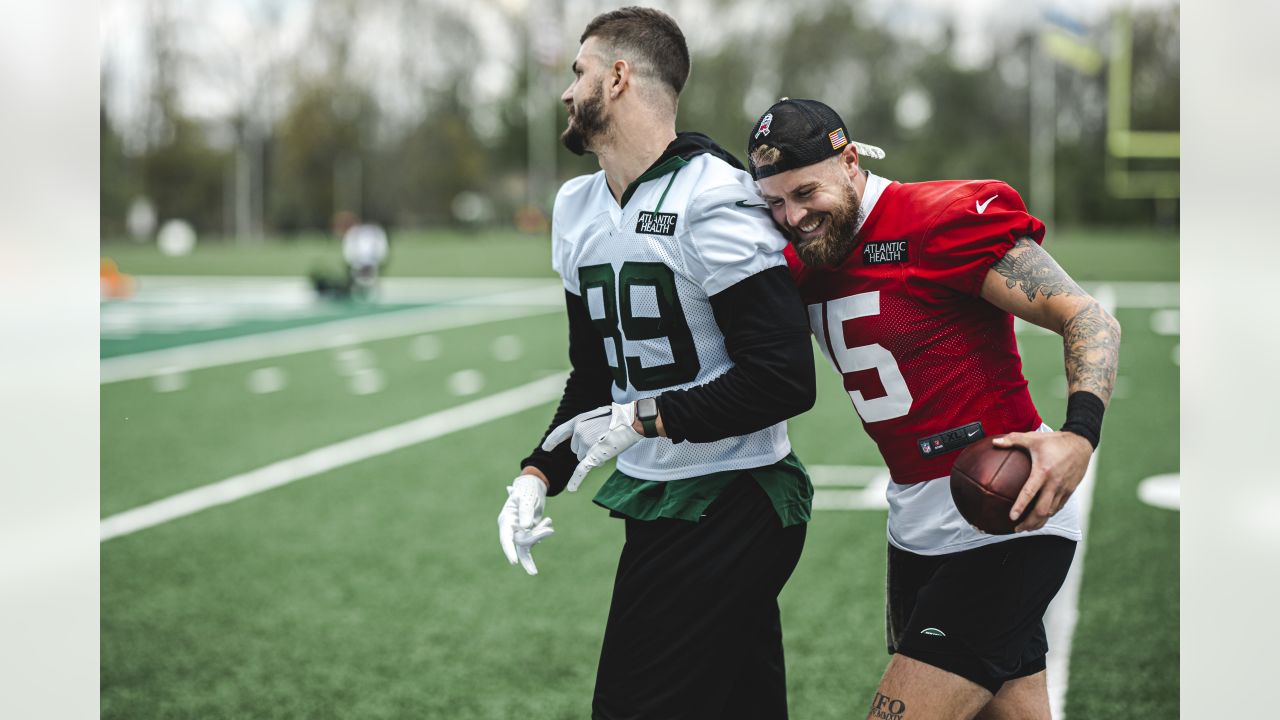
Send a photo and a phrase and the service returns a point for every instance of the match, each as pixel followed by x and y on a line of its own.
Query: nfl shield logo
pixel 765 122
pixel 924 447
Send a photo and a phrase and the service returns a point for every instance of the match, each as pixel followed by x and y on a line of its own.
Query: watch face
pixel 647 408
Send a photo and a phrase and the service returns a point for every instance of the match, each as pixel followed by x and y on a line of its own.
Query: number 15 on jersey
pixel 828 321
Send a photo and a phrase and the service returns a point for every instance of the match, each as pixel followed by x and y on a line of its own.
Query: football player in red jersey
pixel 912 290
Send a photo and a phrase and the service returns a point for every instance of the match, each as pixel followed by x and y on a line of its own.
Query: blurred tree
pixel 438 159
pixel 319 133
pixel 393 109
pixel 956 123
pixel 184 176
pixel 177 168
pixel 118 179
pixel 1155 69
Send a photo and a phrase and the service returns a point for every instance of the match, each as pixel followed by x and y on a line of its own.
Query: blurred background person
pixel 364 251
pixel 364 247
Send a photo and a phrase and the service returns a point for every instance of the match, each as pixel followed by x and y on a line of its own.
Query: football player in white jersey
pixel 689 350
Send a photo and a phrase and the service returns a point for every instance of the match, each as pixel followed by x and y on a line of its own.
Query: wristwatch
pixel 647 413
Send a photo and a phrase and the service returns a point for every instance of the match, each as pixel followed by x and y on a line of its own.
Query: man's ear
pixel 619 78
pixel 849 160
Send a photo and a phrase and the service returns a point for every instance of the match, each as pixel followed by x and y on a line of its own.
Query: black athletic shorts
pixel 693 630
pixel 977 613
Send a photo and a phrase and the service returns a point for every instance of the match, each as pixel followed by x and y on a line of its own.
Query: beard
pixel 586 123
pixel 831 247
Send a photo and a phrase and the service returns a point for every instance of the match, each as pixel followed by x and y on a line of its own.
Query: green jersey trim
pixel 663 197
pixel 786 482
pixel 671 164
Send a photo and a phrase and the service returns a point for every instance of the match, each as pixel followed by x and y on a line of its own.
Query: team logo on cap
pixel 765 122
pixel 838 140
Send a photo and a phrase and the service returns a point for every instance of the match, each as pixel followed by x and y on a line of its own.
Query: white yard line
pixel 491 281
pixel 270 290
pixel 347 331
pixel 849 487
pixel 498 299
pixel 1063 613
pixel 320 460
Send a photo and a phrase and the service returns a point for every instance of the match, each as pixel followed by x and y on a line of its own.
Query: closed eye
pixel 805 191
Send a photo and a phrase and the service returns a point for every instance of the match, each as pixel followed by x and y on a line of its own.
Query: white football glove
pixel 520 524
pixel 598 435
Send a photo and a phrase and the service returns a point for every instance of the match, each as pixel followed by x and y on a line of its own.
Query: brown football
pixel 985 482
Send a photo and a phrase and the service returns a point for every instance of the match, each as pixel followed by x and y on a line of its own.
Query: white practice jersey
pixel 646 270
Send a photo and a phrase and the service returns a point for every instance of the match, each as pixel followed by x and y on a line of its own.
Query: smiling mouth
pixel 809 229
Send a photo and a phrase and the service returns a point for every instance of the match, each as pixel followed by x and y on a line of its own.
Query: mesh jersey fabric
pixel 945 357
pixel 645 272
pixel 919 351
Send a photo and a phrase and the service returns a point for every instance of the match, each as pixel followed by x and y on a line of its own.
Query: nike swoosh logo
pixel 745 204
pixel 982 206
pixel 975 432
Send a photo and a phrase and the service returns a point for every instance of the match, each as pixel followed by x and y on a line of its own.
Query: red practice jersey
pixel 930 365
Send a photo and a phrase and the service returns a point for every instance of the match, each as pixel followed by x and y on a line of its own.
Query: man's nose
pixel 795 213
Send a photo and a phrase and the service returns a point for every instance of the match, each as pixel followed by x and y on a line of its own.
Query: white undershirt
pixel 923 519
pixel 870 194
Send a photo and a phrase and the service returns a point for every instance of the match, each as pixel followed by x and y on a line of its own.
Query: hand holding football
pixel 985 482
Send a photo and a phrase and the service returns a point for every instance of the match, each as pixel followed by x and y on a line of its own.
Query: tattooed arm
pixel 1028 283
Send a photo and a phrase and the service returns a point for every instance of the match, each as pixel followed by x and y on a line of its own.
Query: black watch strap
pixel 647 413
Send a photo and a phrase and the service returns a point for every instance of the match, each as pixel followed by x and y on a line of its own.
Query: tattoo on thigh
pixel 887 708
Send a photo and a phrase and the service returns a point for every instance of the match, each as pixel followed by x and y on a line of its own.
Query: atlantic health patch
pixel 656 223
pixel 886 251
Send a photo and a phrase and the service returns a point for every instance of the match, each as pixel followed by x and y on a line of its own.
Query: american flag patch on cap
pixel 838 140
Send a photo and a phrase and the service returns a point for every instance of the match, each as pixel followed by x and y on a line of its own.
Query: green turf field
pixel 376 589
pixel 1094 254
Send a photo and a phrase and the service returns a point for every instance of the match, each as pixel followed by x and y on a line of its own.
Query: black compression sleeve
pixel 587 388
pixel 766 333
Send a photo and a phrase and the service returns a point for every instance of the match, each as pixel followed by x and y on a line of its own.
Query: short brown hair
pixel 651 35
pixel 765 155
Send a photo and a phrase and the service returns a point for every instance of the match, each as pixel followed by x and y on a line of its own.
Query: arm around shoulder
pixel 766 333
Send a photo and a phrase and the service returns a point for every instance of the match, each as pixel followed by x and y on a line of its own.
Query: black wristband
pixel 1084 416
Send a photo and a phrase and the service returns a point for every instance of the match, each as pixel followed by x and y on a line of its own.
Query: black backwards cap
pixel 804 132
